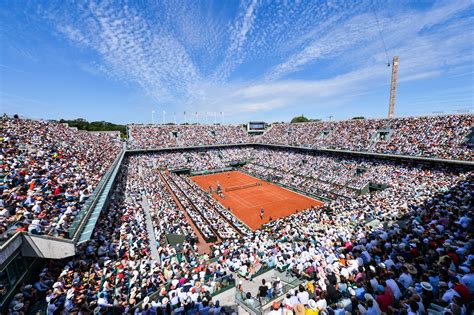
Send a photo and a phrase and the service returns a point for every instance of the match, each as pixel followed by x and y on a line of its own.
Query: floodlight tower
pixel 393 87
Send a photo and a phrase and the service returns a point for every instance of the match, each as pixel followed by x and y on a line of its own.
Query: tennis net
pixel 238 187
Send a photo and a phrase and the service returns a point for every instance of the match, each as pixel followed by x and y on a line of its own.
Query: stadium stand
pixel 48 172
pixel 434 136
pixel 158 136
pixel 395 235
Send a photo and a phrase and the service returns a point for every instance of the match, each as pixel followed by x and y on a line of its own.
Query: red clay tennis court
pixel 246 195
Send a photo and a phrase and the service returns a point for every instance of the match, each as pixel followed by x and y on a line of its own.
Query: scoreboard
pixel 256 126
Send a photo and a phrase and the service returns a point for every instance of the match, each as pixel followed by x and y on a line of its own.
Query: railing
pixel 9 247
pixel 257 306
pixel 212 171
pixel 81 218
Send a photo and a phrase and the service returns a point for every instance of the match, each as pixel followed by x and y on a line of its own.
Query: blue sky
pixel 252 60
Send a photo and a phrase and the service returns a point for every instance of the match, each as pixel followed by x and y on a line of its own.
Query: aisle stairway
pixel 150 230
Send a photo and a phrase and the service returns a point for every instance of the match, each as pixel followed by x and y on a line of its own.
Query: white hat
pixel 57 285
pixel 18 306
pixel 312 304
pixel 427 286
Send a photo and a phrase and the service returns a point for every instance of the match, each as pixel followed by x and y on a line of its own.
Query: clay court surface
pixel 246 203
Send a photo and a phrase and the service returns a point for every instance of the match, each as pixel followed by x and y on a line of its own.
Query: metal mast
pixel 393 88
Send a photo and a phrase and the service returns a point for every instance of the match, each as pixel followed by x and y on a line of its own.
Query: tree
pixel 299 119
pixel 358 117
pixel 83 124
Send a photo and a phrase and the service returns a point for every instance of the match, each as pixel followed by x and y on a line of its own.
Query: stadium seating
pixel 48 172
pixel 406 248
pixel 433 136
pixel 159 136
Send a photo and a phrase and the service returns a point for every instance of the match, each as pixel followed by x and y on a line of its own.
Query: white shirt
pixel 449 294
pixel 321 304
pixel 405 279
pixel 389 263
pixel 303 297
pixel 395 289
pixel 294 300
pixel 103 302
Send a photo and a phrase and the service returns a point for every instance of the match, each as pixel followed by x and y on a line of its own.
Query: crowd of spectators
pixel 354 135
pixel 48 171
pixel 166 216
pixel 437 136
pixel 159 136
pixel 197 216
pixel 431 136
pixel 199 159
pixel 324 175
pixel 406 249
pixel 115 271
pixel 424 264
pixel 423 261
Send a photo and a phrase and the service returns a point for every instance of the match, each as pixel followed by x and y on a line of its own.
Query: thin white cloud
pixel 240 30
pixel 355 40
pixel 180 54
pixel 134 53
